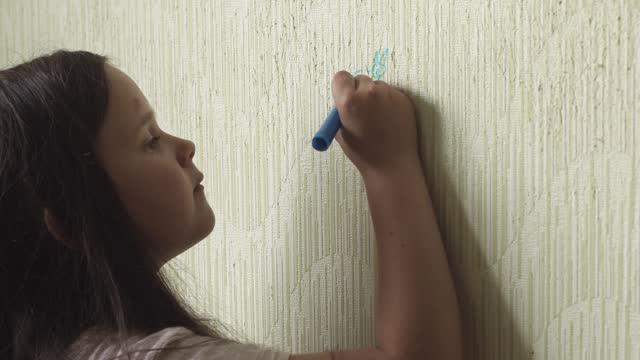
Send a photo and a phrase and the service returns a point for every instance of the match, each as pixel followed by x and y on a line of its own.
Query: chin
pixel 202 229
pixel 211 222
pixel 206 225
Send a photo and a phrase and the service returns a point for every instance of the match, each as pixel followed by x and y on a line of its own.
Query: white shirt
pixel 106 348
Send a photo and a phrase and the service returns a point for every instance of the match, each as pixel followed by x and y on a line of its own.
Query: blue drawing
pixel 379 66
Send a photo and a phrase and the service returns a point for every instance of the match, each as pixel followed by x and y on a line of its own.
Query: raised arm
pixel 417 315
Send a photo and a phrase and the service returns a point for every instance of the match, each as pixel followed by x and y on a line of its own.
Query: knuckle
pixel 341 74
pixel 363 77
pixel 349 103
pixel 371 91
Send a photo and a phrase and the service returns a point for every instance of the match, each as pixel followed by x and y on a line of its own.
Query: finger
pixel 339 137
pixel 343 86
pixel 363 81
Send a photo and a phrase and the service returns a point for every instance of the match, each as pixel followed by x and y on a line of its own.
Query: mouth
pixel 198 185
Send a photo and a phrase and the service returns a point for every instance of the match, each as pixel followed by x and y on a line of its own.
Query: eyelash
pixel 152 141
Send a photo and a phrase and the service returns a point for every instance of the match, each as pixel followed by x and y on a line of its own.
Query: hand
pixel 378 130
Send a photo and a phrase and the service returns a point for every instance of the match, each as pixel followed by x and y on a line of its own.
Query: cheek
pixel 161 206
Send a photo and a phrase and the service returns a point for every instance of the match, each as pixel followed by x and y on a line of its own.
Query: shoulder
pixel 169 343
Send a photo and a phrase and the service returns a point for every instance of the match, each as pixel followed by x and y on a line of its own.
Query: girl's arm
pixel 417 314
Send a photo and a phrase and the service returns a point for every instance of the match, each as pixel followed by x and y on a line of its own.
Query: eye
pixel 151 142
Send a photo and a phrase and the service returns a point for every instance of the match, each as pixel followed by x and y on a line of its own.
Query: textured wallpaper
pixel 530 135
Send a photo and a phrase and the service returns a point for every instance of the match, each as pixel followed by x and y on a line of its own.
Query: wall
pixel 530 134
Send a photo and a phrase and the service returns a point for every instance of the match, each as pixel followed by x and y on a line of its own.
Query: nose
pixel 187 151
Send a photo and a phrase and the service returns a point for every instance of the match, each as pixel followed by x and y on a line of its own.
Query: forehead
pixel 126 104
pixel 125 97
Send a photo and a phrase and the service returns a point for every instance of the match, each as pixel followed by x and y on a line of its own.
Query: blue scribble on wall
pixel 379 66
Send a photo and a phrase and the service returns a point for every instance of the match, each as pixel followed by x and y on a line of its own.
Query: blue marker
pixel 327 131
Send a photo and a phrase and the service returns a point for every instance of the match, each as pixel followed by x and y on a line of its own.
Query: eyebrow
pixel 146 118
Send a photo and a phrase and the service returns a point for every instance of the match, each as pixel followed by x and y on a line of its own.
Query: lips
pixel 199 179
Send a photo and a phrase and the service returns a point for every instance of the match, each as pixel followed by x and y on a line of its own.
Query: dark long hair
pixel 51 109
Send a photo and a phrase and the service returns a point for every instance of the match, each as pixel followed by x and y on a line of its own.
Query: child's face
pixel 156 181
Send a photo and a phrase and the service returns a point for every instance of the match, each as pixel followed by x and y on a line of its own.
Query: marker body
pixel 327 131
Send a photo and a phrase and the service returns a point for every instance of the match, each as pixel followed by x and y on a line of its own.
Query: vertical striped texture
pixel 530 135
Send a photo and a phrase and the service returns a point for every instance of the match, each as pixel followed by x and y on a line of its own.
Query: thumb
pixel 343 86
pixel 339 138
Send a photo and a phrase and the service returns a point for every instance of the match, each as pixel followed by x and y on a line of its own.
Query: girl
pixel 95 198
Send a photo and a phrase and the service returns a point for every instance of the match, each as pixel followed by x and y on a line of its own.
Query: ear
pixel 55 229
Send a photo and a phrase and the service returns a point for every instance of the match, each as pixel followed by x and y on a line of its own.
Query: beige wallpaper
pixel 530 135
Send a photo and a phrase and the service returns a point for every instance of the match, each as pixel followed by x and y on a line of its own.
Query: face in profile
pixel 152 172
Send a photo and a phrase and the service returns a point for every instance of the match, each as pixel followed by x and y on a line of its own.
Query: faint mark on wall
pixel 379 66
